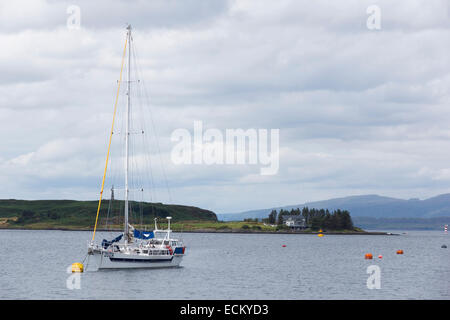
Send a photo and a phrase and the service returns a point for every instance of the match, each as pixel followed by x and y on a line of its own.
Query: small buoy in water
pixel 380 256
pixel 283 245
pixel 320 235
pixel 368 256
pixel 400 251
pixel 77 267
pixel 444 246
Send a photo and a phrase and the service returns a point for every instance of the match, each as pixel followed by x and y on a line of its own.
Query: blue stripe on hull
pixel 139 260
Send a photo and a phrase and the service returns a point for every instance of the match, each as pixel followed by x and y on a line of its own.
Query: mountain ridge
pixel 82 214
pixel 369 205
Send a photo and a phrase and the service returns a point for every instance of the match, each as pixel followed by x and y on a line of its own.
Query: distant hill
pixel 371 206
pixel 82 214
pixel 401 223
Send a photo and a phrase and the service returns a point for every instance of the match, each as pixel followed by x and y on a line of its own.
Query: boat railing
pixel 154 244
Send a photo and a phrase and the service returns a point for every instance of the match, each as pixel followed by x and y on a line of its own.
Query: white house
pixel 294 221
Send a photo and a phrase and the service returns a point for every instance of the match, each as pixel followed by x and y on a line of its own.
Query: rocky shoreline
pixel 239 231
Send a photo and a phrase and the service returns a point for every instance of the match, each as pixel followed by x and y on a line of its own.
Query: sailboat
pixel 132 248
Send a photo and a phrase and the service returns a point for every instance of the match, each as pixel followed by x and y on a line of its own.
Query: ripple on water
pixel 234 266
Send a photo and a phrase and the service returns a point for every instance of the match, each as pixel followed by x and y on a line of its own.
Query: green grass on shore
pixel 80 215
pixel 177 226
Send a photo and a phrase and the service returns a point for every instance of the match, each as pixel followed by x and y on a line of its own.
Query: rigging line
pixel 146 145
pixel 112 178
pixel 109 210
pixel 138 95
pixel 132 164
pixel 114 153
pixel 120 150
pixel 141 208
pixel 148 166
pixel 110 138
pixel 135 176
pixel 154 126
pixel 146 154
pixel 140 179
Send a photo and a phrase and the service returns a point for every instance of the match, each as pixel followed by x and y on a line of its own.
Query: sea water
pixel 34 265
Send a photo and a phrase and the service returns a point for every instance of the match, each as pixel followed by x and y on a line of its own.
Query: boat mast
pixel 127 134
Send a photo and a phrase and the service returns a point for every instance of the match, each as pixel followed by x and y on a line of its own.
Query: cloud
pixel 49 14
pixel 359 111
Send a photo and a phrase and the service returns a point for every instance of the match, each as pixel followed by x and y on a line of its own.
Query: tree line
pixel 315 218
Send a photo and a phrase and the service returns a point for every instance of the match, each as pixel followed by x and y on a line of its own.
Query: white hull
pixel 127 261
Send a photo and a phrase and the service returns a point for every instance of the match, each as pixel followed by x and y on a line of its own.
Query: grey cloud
pixel 51 14
pixel 359 111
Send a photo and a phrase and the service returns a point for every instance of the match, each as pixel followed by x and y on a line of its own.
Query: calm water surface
pixel 33 265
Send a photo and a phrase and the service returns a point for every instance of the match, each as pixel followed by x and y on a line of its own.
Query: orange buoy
pixel 400 251
pixel 380 256
pixel 368 256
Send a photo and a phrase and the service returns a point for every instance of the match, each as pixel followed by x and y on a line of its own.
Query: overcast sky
pixel 359 111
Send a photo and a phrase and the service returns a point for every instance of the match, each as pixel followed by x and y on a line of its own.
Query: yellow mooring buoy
pixel 320 235
pixel 77 267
